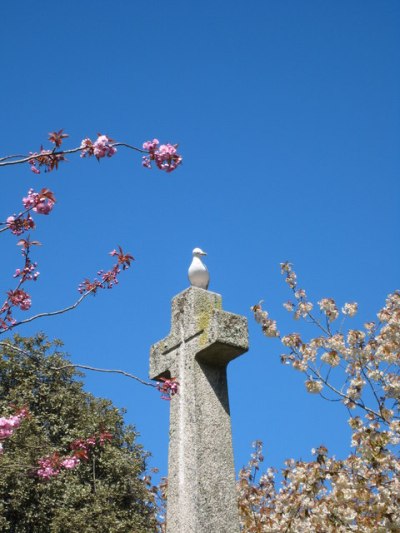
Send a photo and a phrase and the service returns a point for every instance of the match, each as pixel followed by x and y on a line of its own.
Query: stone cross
pixel 201 476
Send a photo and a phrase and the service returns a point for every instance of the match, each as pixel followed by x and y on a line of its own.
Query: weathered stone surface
pixel 201 477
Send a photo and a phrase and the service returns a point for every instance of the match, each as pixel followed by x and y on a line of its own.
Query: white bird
pixel 198 273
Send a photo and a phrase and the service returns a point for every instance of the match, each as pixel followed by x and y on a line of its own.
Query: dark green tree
pixel 107 491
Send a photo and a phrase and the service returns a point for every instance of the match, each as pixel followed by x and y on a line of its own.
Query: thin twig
pixel 373 390
pixel 344 396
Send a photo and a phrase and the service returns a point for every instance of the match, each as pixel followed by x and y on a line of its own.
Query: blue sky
pixel 287 114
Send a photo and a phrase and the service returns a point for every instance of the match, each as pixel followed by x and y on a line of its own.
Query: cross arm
pixel 225 339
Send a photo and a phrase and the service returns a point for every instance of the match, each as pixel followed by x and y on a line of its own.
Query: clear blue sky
pixel 288 118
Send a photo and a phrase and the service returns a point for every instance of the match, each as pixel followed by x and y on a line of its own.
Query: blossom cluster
pixel 268 325
pixel 359 493
pixel 41 202
pixel 168 388
pixel 18 224
pixel 46 159
pixel 101 147
pixel 165 156
pixel 9 424
pixel 51 465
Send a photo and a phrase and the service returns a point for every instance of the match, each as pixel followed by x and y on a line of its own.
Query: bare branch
pixel 8 344
pixel 11 157
pixel 106 370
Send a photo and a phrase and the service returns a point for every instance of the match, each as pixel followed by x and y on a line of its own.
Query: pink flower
pixel 44 208
pixel 165 156
pixel 8 425
pixel 42 202
pixel 14 225
pixel 18 224
pixel 20 299
pixel 91 441
pixel 49 467
pixel 151 146
pixel 168 388
pixel 34 169
pixel 28 272
pixel 102 147
pixel 87 147
pixel 70 462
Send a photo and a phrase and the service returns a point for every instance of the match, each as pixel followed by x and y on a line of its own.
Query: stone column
pixel 201 476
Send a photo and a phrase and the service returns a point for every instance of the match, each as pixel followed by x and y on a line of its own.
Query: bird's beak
pixel 203 253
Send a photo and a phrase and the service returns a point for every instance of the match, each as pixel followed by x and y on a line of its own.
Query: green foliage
pixel 106 493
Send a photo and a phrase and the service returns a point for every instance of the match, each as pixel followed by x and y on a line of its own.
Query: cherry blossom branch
pixel 4 161
pixel 345 397
pixel 27 159
pixel 50 313
pixel 164 156
pixel 21 298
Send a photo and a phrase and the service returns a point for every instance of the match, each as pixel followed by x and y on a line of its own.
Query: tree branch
pixel 50 313
pixel 106 370
pixel 5 161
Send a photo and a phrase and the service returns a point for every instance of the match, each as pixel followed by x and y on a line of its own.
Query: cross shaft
pixel 201 478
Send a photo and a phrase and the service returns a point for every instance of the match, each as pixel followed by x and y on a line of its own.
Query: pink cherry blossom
pixel 17 224
pixel 102 147
pixel 165 157
pixel 41 202
pixel 168 388
pixel 45 158
pixel 20 299
pixel 27 273
pixel 48 467
pixel 34 169
pixel 86 147
pixel 70 462
pixel 151 146
pixel 10 424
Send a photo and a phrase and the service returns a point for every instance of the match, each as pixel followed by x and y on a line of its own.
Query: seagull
pixel 198 273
